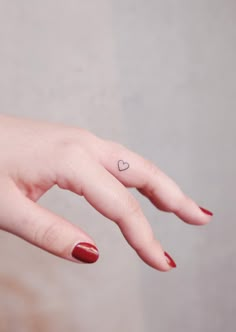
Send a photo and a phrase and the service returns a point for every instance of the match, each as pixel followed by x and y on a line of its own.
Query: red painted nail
pixel 209 213
pixel 85 252
pixel 170 260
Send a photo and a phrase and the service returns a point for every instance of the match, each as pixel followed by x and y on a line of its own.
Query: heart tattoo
pixel 122 165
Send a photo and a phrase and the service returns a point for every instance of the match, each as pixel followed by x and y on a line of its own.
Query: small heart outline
pixel 122 165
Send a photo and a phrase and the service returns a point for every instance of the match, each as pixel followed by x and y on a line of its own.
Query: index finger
pixel 133 170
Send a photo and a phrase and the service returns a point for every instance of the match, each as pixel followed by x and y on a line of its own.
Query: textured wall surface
pixel 159 77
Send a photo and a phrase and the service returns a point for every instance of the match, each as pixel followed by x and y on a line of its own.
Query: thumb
pixel 43 228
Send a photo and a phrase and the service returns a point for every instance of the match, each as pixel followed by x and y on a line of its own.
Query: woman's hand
pixel 36 155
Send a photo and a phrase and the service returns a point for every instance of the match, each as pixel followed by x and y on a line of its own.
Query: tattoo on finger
pixel 122 165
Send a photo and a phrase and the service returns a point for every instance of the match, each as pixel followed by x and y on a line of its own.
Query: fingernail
pixel 170 260
pixel 209 213
pixel 85 252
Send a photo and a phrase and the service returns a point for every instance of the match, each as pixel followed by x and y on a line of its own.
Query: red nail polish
pixel 209 213
pixel 170 260
pixel 85 252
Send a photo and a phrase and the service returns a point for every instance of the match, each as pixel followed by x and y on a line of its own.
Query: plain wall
pixel 160 78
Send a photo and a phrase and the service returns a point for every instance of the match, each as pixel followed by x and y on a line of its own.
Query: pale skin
pixel 37 155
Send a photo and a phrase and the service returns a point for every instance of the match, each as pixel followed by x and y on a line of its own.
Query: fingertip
pixel 191 213
pixel 156 257
pixel 204 217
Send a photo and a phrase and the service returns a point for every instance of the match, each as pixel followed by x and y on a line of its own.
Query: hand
pixel 35 156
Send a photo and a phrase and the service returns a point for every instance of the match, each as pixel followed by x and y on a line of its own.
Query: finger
pixel 44 229
pixel 107 195
pixel 135 171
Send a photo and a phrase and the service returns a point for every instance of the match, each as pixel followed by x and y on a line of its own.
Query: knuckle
pixel 147 241
pixel 148 185
pixel 68 151
pixel 133 208
pixel 80 144
pixel 175 204
pixel 151 172
pixel 180 202
pixel 68 147
pixel 129 209
pixel 115 148
pixel 151 168
pixel 47 237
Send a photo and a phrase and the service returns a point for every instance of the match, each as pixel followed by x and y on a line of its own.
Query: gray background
pixel 158 77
